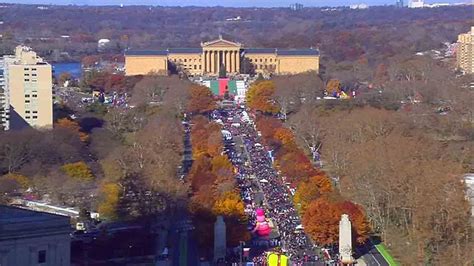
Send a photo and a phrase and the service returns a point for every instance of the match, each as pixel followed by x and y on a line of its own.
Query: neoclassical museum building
pixel 214 55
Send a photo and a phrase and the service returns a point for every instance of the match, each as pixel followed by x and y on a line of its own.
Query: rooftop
pixel 17 222
pixel 146 52
pixel 260 50
pixel 185 50
pixel 308 51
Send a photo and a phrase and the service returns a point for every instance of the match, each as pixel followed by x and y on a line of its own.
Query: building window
pixel 27 101
pixel 35 112
pixel 27 111
pixel 199 67
pixel 34 74
pixel 35 117
pixel 34 96
pixel 42 256
pixel 26 74
pixel 27 117
pixel 33 69
pixel 195 67
pixel 26 69
pixel 34 80
pixel 27 80
pixel 261 60
pixel 27 96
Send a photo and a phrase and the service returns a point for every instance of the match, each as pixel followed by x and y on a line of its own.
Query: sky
pixel 226 3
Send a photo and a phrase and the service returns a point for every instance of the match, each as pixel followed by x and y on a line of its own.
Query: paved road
pixel 371 256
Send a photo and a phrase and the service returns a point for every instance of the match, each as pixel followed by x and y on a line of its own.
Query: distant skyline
pixel 225 3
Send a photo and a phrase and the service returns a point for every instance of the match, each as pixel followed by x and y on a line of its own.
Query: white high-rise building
pixel 4 101
pixel 28 88
pixel 416 4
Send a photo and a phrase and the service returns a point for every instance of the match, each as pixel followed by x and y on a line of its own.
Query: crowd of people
pixel 262 188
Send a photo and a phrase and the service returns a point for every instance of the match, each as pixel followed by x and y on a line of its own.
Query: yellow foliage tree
pixel 221 166
pixel 229 205
pixel 111 196
pixel 21 180
pixel 332 86
pixel 78 170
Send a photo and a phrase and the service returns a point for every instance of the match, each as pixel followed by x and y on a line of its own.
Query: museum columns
pixel 237 65
pixel 227 61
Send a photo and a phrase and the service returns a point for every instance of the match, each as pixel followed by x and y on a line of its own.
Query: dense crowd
pixel 262 187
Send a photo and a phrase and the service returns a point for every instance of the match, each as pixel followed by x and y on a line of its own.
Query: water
pixel 74 68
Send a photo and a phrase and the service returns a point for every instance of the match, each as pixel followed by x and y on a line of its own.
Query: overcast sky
pixel 227 3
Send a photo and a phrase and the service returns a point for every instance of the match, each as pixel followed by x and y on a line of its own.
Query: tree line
pixel 389 150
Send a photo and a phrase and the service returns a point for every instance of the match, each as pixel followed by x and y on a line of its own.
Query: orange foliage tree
pixel 201 100
pixel 295 166
pixel 259 97
pixel 310 190
pixel 321 221
pixel 206 137
pixel 285 136
pixel 68 124
pixel 360 224
pixel 213 185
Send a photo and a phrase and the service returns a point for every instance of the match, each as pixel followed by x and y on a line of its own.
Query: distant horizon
pixel 222 3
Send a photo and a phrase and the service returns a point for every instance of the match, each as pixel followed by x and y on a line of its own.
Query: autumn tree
pixel 310 190
pixel 108 207
pixel 23 181
pixel 78 170
pixel 65 76
pixel 201 100
pixel 68 124
pixel 231 207
pixel 285 136
pixel 321 221
pixel 333 86
pixel 360 223
pixel 259 97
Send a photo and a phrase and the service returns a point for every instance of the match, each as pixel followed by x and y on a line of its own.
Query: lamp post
pixel 241 245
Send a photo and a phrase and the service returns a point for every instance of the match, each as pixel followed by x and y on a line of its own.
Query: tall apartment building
pixel 4 111
pixel 28 87
pixel 465 52
pixel 4 102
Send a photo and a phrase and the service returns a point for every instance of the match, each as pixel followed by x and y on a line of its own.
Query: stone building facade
pixel 30 238
pixel 220 53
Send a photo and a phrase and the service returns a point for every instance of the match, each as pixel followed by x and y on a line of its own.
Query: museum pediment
pixel 220 43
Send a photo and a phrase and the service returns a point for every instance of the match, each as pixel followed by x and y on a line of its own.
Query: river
pixel 74 68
